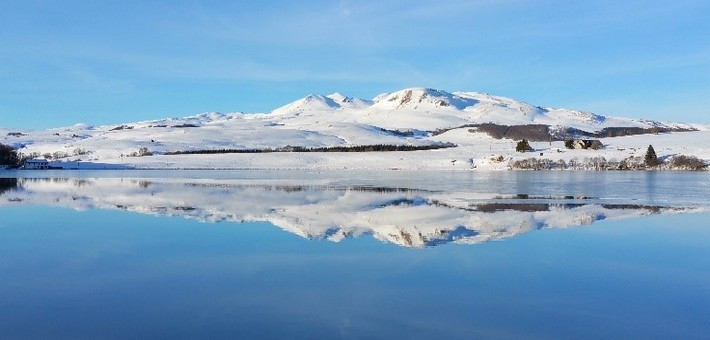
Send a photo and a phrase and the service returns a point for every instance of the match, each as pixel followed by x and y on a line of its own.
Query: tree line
pixel 348 148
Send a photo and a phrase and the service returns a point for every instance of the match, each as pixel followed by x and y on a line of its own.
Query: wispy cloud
pixel 543 51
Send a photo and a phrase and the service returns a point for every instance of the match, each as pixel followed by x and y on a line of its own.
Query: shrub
pixel 651 160
pixel 631 163
pixel 596 145
pixel 569 144
pixel 79 152
pixel 497 158
pixel 687 163
pixel 59 155
pixel 144 152
pixel 598 163
pixel 523 146
pixel 538 164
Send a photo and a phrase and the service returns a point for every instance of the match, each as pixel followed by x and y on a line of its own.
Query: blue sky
pixel 99 62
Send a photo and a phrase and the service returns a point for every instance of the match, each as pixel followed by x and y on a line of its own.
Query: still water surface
pixel 354 255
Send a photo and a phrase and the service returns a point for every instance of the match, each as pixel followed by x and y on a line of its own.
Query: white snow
pixel 405 117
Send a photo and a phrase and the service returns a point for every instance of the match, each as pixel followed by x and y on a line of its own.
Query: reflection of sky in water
pixel 94 273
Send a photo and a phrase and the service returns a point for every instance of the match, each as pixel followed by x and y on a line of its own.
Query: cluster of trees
pixel 649 161
pixel 599 163
pixel 55 155
pixel 8 156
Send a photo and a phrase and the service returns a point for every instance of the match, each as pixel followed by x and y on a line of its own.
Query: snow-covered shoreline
pixel 469 155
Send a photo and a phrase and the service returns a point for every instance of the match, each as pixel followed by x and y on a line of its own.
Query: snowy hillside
pixel 419 118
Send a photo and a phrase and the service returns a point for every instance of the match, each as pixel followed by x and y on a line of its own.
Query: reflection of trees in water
pixel 299 188
pixel 39 180
pixel 81 182
pixel 7 184
pixel 77 182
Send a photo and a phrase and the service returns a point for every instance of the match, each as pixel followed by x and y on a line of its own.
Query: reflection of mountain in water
pixel 411 218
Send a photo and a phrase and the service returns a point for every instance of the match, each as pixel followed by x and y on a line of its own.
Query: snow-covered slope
pixel 405 117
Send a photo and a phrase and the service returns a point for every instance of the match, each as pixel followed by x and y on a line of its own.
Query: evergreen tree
pixel 651 159
pixel 523 146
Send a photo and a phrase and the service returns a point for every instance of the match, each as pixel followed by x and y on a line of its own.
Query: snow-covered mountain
pixel 330 102
pixel 406 217
pixel 415 117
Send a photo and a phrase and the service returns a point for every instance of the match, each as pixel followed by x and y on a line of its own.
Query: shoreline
pixel 353 169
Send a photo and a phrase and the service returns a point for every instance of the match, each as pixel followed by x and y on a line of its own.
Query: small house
pixel 593 144
pixel 37 163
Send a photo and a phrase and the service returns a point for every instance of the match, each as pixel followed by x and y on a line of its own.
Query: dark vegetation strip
pixel 355 148
pixel 398 133
pixel 542 132
pixel 623 131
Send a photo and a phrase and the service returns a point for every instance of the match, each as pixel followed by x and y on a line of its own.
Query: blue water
pixel 101 273
pixel 648 187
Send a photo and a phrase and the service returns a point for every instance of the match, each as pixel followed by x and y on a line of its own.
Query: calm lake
pixel 252 254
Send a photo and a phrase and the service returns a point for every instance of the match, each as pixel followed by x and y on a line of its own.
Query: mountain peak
pixel 311 102
pixel 422 98
pixel 338 97
pixel 317 102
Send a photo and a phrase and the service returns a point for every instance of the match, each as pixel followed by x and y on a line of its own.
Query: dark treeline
pixel 624 131
pixel 398 133
pixel 353 148
pixel 543 133
pixel 8 156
